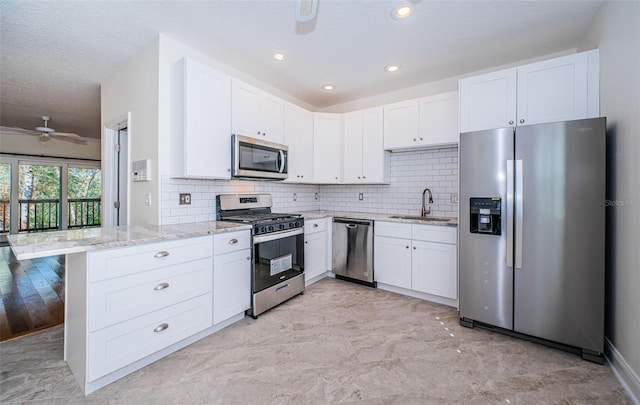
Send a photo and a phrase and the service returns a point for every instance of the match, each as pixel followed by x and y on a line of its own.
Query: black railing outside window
pixel 5 218
pixel 39 215
pixel 84 212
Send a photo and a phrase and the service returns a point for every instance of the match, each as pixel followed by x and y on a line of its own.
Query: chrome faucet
pixel 426 211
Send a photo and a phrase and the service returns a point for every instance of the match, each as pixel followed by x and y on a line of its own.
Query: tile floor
pixel 338 343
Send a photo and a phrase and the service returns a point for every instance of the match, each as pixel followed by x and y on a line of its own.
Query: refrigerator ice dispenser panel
pixel 485 215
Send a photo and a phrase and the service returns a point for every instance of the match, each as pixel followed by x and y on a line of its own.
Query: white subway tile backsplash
pixel 410 173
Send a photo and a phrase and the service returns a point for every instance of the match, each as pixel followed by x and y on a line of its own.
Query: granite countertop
pixel 42 244
pixel 309 215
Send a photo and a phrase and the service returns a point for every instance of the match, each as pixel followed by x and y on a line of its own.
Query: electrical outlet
pixel 360 196
pixel 317 196
pixel 147 199
pixel 454 198
pixel 185 199
pixel 295 197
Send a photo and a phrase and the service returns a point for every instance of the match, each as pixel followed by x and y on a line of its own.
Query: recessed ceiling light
pixel 392 68
pixel 328 87
pixel 401 12
pixel 279 56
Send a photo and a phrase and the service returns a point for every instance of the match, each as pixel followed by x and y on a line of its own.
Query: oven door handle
pixel 277 235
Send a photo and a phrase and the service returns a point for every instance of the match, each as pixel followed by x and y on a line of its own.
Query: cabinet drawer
pixel 230 242
pixel 120 262
pixel 315 225
pixel 434 233
pixel 393 229
pixel 122 344
pixel 117 300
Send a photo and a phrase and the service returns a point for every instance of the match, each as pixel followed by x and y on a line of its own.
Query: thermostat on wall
pixel 141 170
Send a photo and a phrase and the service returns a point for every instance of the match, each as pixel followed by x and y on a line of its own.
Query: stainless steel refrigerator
pixel 531 232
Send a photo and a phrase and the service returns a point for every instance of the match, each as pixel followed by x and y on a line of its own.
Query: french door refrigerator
pixel 531 233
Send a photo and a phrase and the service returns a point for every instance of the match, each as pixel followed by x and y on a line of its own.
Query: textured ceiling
pixel 54 54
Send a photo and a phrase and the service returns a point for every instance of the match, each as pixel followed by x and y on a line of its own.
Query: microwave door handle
pixel 281 153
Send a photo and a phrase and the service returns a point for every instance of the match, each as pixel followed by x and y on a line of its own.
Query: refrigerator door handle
pixel 518 208
pixel 509 213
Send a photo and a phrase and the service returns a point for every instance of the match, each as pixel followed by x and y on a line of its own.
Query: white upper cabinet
pixel 422 123
pixel 327 148
pixel 439 119
pixel 200 121
pixel 365 160
pixel 401 124
pixel 256 113
pixel 298 136
pixel 559 89
pixel 353 147
pixel 488 101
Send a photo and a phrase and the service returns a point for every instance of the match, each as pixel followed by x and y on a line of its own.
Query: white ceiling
pixel 55 54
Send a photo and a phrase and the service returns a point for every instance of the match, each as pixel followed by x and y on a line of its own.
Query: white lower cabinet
pixel 316 245
pixel 231 284
pixel 392 261
pixel 126 306
pixel 112 348
pixel 416 257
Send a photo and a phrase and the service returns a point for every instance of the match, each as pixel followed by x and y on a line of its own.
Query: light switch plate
pixel 454 198
pixel 360 196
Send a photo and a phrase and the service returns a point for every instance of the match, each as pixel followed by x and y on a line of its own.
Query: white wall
pixel 135 89
pixel 29 145
pixel 616 32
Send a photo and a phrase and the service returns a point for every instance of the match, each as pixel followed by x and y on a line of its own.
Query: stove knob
pixel 281 226
pixel 270 228
pixel 263 229
pixel 298 224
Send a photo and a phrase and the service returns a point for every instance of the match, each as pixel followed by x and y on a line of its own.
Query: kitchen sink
pixel 419 218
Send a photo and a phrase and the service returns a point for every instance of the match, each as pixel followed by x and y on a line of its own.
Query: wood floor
pixel 32 294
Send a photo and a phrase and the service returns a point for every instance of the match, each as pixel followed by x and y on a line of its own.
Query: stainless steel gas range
pixel 277 272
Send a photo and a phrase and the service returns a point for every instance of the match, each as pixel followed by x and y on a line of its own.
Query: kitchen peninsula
pixel 135 294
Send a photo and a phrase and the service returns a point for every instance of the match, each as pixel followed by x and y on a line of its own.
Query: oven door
pixel 255 158
pixel 277 257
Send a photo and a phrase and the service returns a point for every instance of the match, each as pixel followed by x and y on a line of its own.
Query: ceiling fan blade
pixel 67 134
pixel 18 131
pixel 72 140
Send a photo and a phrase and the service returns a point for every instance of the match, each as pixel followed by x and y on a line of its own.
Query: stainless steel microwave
pixel 253 158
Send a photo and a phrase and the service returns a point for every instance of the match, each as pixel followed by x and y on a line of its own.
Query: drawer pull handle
pixel 232 241
pixel 315 225
pixel 248 257
pixel 161 286
pixel 161 327
pixel 163 253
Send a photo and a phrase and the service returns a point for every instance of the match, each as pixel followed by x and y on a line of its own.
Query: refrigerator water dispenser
pixel 485 215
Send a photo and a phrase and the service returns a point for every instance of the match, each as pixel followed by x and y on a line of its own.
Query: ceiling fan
pixel 47 133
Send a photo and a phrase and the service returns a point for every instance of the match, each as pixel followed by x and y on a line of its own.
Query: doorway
pixel 115 158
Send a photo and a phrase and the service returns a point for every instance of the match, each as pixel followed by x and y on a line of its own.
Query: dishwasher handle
pixel 354 222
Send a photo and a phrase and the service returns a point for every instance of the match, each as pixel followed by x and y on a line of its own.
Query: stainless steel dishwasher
pixel 353 250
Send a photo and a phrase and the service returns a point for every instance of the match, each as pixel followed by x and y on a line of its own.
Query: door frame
pixel 109 165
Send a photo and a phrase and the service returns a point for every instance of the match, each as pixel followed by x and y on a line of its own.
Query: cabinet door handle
pixel 415 139
pixel 414 248
pixel 228 169
pixel 407 247
pixel 522 120
pixel 420 138
pixel 248 257
pixel 306 242
pixel 511 122
pixel 315 225
pixel 161 254
pixel 161 286
pixel 161 327
pixel 233 241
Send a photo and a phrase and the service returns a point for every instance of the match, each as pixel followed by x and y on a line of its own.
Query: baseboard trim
pixel 625 374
